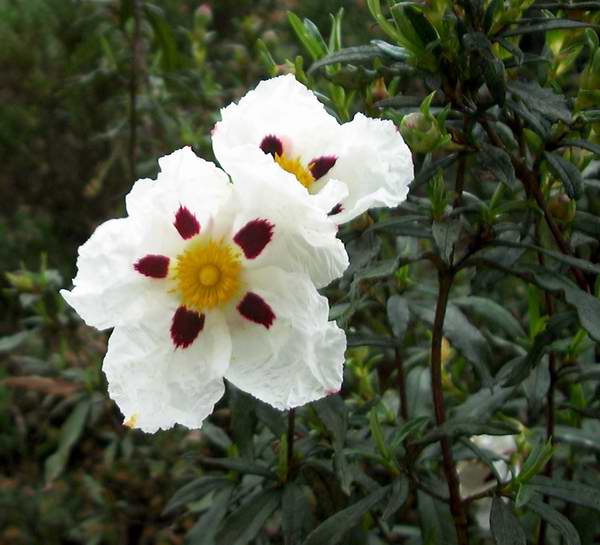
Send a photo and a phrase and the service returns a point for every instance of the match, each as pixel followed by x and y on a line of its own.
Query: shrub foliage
pixel 470 310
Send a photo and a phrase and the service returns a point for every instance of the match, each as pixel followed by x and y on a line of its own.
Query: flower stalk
pixel 445 278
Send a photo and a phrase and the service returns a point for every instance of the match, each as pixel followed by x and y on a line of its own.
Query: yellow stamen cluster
pixel 207 274
pixel 295 167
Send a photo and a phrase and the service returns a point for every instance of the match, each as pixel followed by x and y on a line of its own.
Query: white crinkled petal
pixel 297 360
pixel 107 290
pixel 185 179
pixel 282 107
pixel 304 237
pixel 375 164
pixel 157 386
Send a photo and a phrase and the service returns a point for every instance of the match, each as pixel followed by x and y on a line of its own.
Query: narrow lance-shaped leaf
pixel 505 527
pixel 333 530
pixel 555 519
pixel 361 53
pixel 566 172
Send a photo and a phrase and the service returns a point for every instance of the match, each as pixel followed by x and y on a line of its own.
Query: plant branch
pixel 456 508
pixel 291 430
pixel 532 189
pixel 133 87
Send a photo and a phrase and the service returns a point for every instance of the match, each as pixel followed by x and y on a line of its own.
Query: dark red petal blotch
pixel 336 209
pixel 253 237
pixel 321 166
pixel 254 308
pixel 186 223
pixel 272 145
pixel 154 266
pixel 185 327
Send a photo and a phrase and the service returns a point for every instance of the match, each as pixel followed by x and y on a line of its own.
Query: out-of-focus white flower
pixel 200 283
pixel 476 477
pixel 282 125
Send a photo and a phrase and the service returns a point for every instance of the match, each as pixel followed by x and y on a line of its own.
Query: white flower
pixel 200 283
pixel 476 477
pixel 281 125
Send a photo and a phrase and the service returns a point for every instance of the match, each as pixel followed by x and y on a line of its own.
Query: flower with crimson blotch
pixel 203 282
pixel 281 125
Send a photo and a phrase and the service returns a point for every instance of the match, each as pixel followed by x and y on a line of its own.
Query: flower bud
pixel 561 207
pixel 420 132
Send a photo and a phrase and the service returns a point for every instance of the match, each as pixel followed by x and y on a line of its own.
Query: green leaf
pixel 398 315
pixel 361 53
pixel 569 491
pixel 535 461
pixel 429 169
pixel 11 342
pixel 194 491
pixel 310 43
pixel 567 172
pixel 69 435
pixel 359 339
pixel 583 144
pixel 580 438
pixel 446 234
pixel 293 511
pixel 505 526
pixel 164 35
pixel 586 305
pixel 587 223
pixel 244 524
pixel 205 529
pixel 333 530
pixel 535 122
pixel 542 100
pixel 375 9
pixel 465 337
pixel 437 524
pixel 495 78
pixel 496 162
pixel 239 466
pixel 555 519
pixel 243 421
pixel 576 262
pixel 393 51
pixel 398 496
pixel 456 427
pixel 216 435
pixel 551 24
pixel 493 313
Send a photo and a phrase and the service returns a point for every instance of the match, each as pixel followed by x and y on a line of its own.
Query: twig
pixel 401 382
pixel 456 508
pixel 532 189
pixel 550 416
pixel 290 439
pixel 133 86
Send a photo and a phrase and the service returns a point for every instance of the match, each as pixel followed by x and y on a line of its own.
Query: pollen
pixel 207 274
pixel 294 166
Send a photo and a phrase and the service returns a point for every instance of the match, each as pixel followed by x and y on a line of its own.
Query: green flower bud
pixel 420 132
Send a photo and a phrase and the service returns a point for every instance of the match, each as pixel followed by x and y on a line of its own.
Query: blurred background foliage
pixel 499 102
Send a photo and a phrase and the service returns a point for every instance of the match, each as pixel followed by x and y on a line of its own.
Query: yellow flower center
pixel 295 167
pixel 207 274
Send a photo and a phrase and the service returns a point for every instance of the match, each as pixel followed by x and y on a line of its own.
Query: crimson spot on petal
pixel 253 237
pixel 335 210
pixel 186 223
pixel 321 166
pixel 154 266
pixel 185 327
pixel 271 145
pixel 254 308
